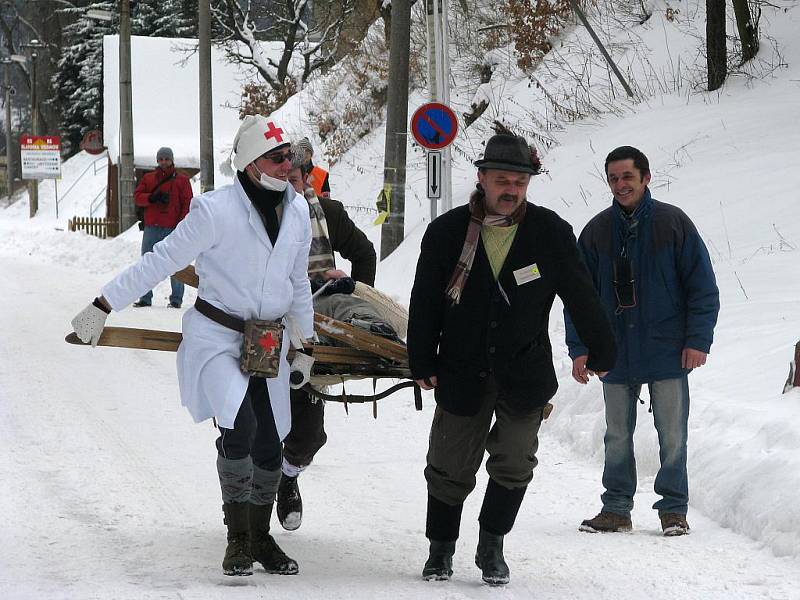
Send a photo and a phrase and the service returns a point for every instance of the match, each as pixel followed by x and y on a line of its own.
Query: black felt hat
pixel 508 153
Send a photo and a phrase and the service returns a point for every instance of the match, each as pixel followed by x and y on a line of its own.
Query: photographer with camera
pixel 163 196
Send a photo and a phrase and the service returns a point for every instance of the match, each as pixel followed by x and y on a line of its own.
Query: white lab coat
pixel 241 273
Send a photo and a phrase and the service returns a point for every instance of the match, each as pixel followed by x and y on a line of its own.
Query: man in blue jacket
pixel 654 276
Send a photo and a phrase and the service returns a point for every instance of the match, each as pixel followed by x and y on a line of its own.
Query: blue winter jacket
pixel 677 300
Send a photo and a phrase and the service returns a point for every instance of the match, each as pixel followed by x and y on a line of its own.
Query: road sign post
pixel 434 127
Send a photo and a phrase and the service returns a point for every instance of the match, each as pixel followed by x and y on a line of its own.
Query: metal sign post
pixel 434 127
pixel 439 82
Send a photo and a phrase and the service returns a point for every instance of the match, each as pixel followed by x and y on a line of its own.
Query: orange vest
pixel 316 178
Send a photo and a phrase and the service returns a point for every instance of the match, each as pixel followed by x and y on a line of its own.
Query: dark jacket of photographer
pixel 164 195
pixel 674 301
pixel 500 328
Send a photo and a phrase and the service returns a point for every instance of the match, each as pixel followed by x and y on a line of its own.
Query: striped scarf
pixel 320 257
pixel 478 218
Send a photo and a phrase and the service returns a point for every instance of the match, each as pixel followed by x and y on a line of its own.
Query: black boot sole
pixel 436 577
pixel 282 571
pixel 237 572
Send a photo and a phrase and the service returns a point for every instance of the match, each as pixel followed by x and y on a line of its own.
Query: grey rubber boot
pixel 237 559
pixel 489 558
pixel 439 566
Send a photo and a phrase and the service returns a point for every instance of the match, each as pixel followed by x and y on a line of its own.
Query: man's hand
pixel 334 274
pixel 692 359
pixel 427 383
pixel 580 373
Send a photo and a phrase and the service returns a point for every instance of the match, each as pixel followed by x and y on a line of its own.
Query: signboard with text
pixel 40 156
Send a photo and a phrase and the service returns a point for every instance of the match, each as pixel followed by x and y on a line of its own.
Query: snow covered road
pixel 110 490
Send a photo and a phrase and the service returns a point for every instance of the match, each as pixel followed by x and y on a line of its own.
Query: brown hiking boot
pixel 606 522
pixel 673 524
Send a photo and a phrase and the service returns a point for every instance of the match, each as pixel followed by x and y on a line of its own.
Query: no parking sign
pixel 434 126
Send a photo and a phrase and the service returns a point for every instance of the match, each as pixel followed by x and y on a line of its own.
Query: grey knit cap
pixel 304 145
pixel 165 153
pixel 299 158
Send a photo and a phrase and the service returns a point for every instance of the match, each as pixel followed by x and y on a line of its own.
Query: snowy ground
pixel 110 489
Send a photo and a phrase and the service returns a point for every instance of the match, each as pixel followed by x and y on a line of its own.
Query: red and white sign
pixel 92 142
pixel 41 156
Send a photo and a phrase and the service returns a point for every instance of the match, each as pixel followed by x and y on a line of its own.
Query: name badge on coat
pixel 526 274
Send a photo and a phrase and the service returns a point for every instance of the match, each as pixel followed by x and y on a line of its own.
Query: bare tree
pixel 310 39
pixel 717 55
pixel 748 28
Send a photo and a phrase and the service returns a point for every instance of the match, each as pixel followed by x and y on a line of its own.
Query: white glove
pixel 89 323
pixel 300 372
pixel 295 333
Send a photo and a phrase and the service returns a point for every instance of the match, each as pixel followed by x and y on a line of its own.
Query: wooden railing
pixel 97 226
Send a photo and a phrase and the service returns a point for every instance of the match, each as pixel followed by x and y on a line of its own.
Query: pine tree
pixel 165 18
pixel 78 84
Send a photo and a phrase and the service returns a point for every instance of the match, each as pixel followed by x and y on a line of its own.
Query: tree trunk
pixel 715 44
pixel 748 29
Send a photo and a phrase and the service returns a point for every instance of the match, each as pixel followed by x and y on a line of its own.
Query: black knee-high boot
pixel 442 528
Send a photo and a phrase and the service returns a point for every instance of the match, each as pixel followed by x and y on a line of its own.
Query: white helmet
pixel 257 135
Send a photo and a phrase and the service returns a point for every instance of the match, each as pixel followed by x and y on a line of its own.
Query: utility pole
pixel 33 187
pixel 127 211
pixel 7 62
pixel 394 162
pixel 206 114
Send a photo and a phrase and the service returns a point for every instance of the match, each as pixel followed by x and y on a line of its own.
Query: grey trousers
pixel 457 444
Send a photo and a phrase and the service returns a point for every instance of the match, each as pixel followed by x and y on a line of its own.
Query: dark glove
pixel 343 285
pixel 159 196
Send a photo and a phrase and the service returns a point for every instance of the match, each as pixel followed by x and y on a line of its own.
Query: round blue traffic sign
pixel 434 126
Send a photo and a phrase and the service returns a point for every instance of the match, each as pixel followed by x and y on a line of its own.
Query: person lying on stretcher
pixel 337 295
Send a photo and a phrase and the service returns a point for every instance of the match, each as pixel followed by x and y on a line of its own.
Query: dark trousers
pixel 308 430
pixel 254 432
pixel 455 451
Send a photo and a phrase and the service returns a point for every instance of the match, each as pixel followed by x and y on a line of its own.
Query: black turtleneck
pixel 265 201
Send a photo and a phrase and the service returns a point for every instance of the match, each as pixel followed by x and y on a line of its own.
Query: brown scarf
pixel 478 218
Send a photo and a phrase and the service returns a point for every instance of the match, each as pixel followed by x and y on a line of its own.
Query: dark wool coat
pixel 500 329
pixel 677 296
pixel 349 241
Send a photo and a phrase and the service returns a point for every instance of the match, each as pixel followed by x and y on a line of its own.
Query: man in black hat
pixel 487 275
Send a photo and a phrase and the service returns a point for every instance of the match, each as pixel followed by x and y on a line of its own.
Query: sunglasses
pixel 279 157
pixel 624 283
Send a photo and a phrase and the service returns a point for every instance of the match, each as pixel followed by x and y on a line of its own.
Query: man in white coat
pixel 250 242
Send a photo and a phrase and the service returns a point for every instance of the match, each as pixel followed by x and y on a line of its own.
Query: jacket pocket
pixel 528 379
pixel 458 390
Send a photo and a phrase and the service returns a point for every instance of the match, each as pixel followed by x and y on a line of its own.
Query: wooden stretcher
pixel 363 355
